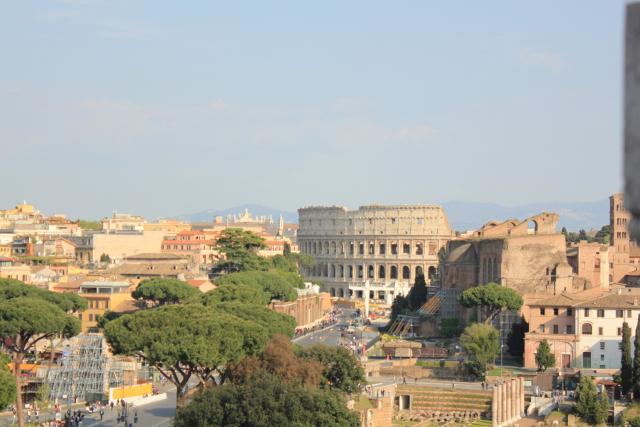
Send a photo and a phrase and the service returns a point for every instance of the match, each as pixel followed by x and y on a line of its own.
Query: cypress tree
pixel 626 363
pixel 636 362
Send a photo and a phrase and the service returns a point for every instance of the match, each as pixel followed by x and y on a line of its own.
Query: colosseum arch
pixel 333 292
pixel 406 272
pixel 350 270
pixel 326 248
pixel 333 270
pixel 341 271
pixel 333 247
pixel 394 272
pixel 381 272
pixel 370 271
pixel 341 292
pixel 419 270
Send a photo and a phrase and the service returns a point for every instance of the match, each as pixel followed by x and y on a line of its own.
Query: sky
pixel 163 108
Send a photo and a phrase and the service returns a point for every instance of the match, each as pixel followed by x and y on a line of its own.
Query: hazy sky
pixel 163 108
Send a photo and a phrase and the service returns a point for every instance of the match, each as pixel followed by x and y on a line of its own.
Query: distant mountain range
pixel 462 215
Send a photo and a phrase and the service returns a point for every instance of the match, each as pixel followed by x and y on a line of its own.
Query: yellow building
pixel 103 296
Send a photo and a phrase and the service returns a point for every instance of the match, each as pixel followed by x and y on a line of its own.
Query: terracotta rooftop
pixel 153 256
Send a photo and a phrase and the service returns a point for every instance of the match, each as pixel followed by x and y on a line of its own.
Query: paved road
pixel 331 335
pixel 157 414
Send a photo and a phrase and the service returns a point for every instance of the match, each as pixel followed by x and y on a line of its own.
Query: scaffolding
pixel 84 370
pixel 404 325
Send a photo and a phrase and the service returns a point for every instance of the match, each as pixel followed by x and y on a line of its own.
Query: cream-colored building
pixel 374 252
pixel 584 330
pixel 117 246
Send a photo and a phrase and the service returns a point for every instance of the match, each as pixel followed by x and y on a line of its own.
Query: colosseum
pixel 374 252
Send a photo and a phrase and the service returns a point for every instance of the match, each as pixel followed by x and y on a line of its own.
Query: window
pixel 602 360
pixel 569 311
pixel 383 248
pixel 555 329
pixel 600 312
pixel 586 312
pixel 586 329
pixel 619 331
pixel 361 248
pixel 371 248
pixel 406 248
pixel 542 329
pixel 90 317
pixel 393 220
pixel 419 249
pixel 394 249
pixel 600 331
pixel 619 313
pixel 541 311
pixel 601 345
pixel 555 311
pixel 569 329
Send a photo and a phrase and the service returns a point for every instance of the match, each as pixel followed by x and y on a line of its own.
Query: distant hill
pixel 256 210
pixel 462 215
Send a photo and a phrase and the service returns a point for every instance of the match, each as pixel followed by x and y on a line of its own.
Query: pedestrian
pixel 135 416
pixel 404 379
pixel 453 385
pixel 111 404
pixel 101 413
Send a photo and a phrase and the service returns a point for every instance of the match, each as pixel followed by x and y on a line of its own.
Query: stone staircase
pixel 437 399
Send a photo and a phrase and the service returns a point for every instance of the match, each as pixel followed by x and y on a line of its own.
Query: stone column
pixel 509 400
pixel 494 408
pixel 500 403
pixel 503 403
pixel 515 402
pixel 521 397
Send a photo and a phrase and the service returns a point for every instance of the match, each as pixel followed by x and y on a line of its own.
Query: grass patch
pixel 436 363
pixel 497 372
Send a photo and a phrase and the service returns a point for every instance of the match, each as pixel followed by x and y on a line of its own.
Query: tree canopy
pixel 7 384
pixel 515 340
pixel 29 315
pixel 236 292
pixel 240 248
pixel 182 341
pixel 341 371
pixel 626 362
pixel 493 298
pixel 264 401
pixel 278 358
pixel 276 284
pixel 482 344
pixel 273 321
pixel 544 358
pixel 590 407
pixel 162 291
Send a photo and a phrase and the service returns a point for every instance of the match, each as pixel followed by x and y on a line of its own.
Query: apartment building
pixel 584 330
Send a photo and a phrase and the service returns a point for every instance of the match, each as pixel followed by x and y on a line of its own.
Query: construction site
pixel 81 369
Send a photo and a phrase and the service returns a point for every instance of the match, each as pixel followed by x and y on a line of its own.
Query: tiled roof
pixel 613 301
pixel 562 300
pixel 154 256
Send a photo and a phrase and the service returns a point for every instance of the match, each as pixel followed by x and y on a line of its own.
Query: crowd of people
pixel 125 413
pixel 329 320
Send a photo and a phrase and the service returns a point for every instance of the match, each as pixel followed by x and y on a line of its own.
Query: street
pixel 331 335
pixel 157 414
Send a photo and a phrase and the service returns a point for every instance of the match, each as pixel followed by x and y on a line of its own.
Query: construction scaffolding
pixel 84 370
pixel 404 325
